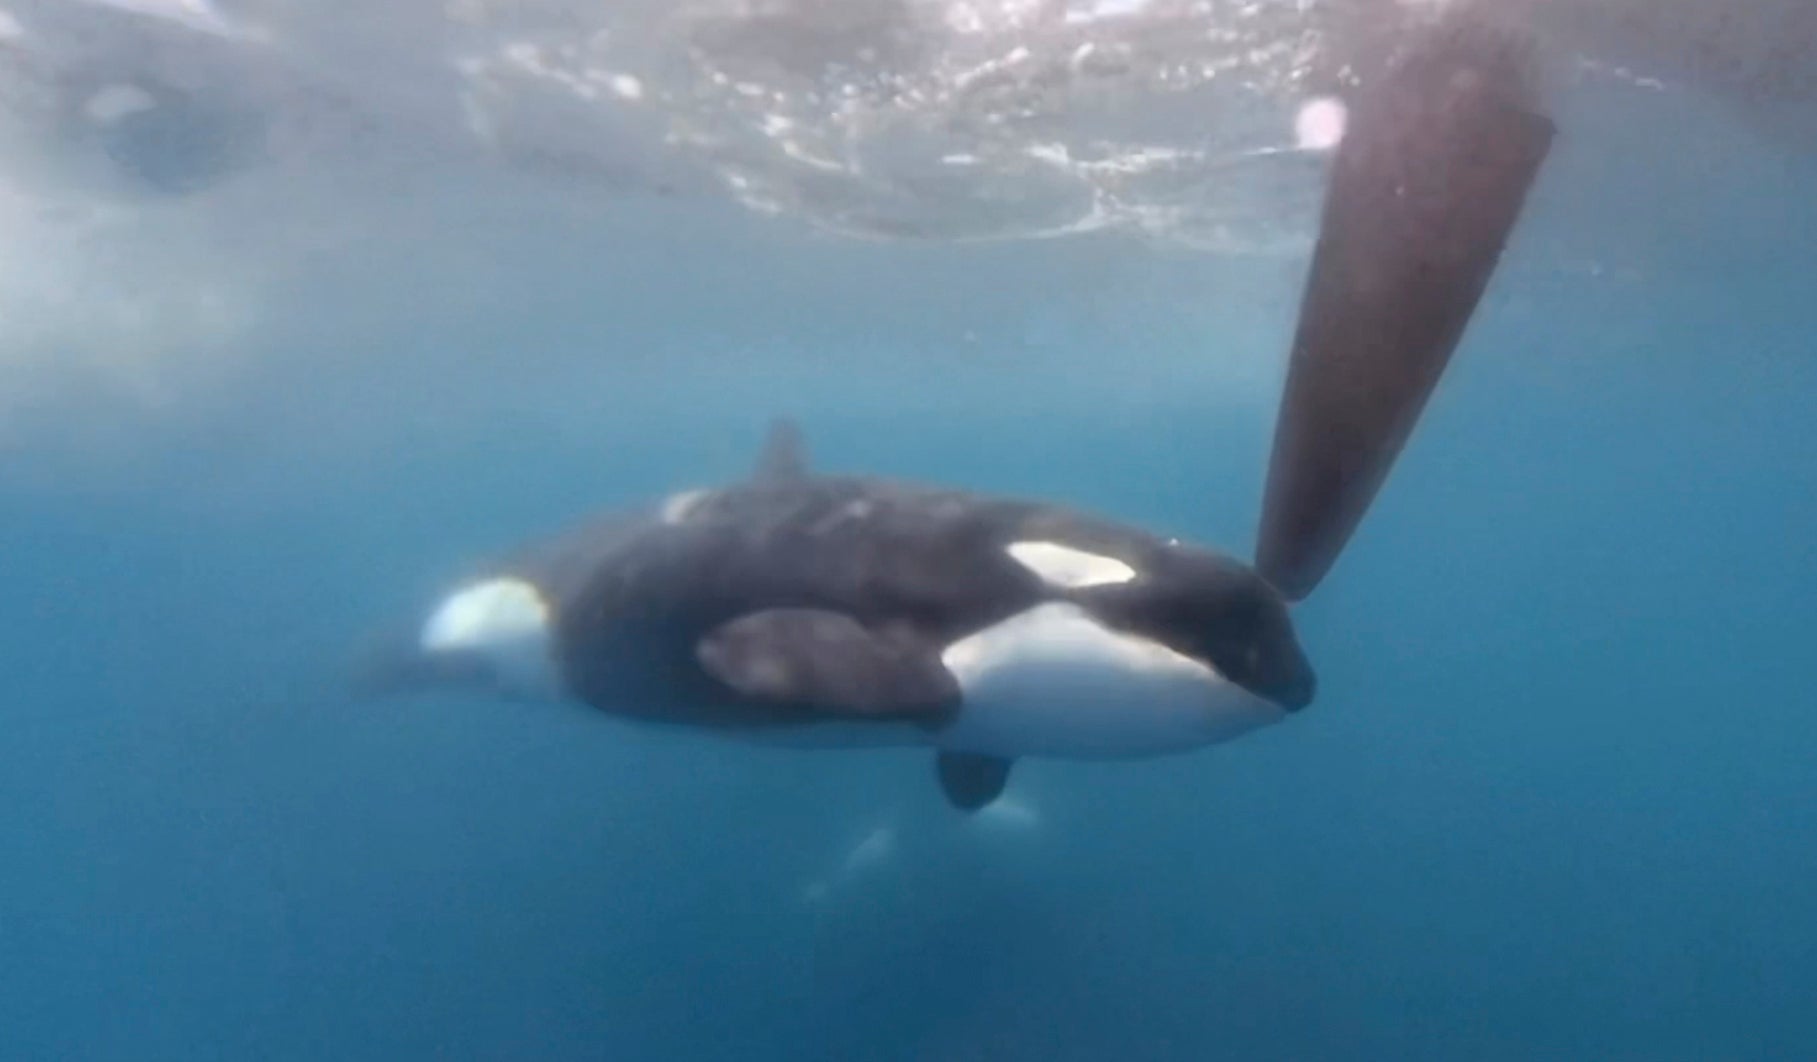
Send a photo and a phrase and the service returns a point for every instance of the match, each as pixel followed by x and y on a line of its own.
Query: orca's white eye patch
pixel 487 615
pixel 1069 566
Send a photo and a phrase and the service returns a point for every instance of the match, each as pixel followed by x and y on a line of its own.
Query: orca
pixel 839 611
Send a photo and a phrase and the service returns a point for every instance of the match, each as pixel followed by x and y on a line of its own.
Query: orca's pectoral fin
pixel 827 662
pixel 1425 190
pixel 785 455
pixel 971 780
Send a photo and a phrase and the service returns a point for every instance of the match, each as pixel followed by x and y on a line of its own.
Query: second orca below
pixel 843 611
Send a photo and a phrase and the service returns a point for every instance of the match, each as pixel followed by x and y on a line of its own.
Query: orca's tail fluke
pixel 1425 188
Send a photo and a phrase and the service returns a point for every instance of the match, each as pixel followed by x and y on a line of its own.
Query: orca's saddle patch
pixel 828 662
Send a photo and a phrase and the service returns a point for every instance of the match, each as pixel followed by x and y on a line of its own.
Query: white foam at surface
pixel 113 102
pixel 157 302
pixel 193 14
pixel 1081 11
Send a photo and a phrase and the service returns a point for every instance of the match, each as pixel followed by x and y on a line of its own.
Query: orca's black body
pixel 857 584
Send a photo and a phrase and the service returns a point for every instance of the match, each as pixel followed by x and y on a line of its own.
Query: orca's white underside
pixel 1052 683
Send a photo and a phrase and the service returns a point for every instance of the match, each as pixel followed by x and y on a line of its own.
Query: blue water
pixel 1555 801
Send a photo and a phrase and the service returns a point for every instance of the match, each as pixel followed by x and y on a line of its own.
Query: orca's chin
pixel 1277 672
pixel 1298 694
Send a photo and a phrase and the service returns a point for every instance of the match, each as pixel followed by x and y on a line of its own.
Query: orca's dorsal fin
pixel 785 456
